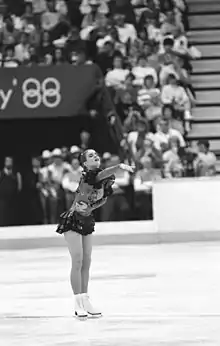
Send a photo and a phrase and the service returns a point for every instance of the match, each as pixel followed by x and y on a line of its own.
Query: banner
pixel 46 92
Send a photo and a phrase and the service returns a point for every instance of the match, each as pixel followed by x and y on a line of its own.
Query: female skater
pixel 78 223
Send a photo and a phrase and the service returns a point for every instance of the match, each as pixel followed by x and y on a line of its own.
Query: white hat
pixel 46 154
pixel 106 156
pixel 74 149
pixel 56 152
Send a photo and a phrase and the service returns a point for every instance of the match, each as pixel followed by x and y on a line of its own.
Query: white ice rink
pixel 150 295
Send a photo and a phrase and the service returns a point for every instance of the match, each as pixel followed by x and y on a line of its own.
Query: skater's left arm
pixel 106 173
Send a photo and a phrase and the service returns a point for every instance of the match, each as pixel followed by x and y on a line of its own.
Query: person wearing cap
pixel 56 173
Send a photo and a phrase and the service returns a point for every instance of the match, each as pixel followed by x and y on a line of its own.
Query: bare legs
pixel 86 262
pixel 80 248
pixel 74 243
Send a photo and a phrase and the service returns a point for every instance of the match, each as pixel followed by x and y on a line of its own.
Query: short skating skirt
pixel 76 222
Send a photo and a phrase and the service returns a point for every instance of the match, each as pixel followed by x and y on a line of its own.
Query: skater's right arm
pixel 106 173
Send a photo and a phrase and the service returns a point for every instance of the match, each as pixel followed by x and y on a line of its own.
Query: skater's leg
pixel 87 252
pixel 86 261
pixel 74 243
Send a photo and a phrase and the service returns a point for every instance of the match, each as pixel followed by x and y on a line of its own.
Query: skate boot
pixel 89 308
pixel 80 312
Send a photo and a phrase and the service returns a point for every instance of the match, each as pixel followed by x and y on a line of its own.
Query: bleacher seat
pixel 201 36
pixel 198 22
pixel 205 66
pixel 205 130
pixel 206 81
pixel 208 97
pixel 208 114
pixel 209 50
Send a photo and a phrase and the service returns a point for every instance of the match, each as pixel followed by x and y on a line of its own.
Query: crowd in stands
pixel 142 49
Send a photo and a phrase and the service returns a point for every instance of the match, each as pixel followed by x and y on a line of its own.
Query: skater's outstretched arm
pixel 106 173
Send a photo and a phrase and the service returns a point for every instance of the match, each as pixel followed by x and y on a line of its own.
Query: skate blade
pixel 81 318
pixel 94 316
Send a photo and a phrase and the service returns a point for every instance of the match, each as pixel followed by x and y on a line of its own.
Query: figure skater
pixel 78 223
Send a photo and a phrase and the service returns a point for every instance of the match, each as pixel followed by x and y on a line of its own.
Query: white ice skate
pixel 80 312
pixel 89 308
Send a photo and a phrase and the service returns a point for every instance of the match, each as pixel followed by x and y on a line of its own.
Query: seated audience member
pixel 143 70
pixel 85 140
pixel 164 133
pixel 126 31
pixel 71 181
pixel 93 10
pixel 115 78
pixel 136 138
pixel 117 207
pixel 149 99
pixel 9 59
pixel 174 94
pixel 173 167
pixel 205 163
pixel 143 181
pixel 170 24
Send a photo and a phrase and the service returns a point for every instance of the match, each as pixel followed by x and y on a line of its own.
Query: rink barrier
pixel 185 210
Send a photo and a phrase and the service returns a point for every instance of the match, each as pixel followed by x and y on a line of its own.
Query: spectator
pixel 116 77
pixel 142 70
pixel 126 31
pixel 71 181
pixel 9 59
pixel 50 17
pixel 46 47
pixel 205 163
pixel 32 189
pixel 85 140
pixel 10 188
pixel 45 187
pixel 117 206
pixel 174 94
pixel 164 133
pixel 56 173
pixel 8 33
pixel 143 189
pixel 58 58
pixel 149 99
pixel 172 162
pixel 22 49
pixel 93 11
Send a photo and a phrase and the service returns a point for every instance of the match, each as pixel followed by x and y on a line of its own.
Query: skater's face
pixel 92 159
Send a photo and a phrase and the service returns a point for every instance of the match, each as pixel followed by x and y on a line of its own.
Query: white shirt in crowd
pixel 71 179
pixel 141 72
pixel 133 136
pixel 57 171
pixel 22 52
pixel 174 93
pixel 116 77
pixel 161 138
pixel 127 32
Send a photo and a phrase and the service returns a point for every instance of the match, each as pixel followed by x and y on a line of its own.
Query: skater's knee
pixel 77 261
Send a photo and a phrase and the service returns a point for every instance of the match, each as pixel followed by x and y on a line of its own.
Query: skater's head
pixel 90 160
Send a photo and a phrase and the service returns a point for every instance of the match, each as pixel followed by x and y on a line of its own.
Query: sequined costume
pixel 90 195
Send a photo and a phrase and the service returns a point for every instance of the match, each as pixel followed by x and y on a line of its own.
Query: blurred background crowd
pixel 142 49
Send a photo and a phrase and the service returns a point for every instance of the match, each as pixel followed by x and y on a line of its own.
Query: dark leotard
pixel 90 195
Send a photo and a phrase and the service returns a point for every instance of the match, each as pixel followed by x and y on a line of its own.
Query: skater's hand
pixel 127 168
